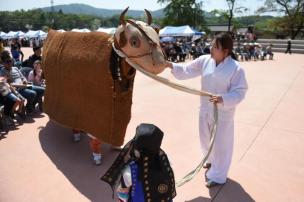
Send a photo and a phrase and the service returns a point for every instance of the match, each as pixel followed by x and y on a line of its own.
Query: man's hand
pixel 216 99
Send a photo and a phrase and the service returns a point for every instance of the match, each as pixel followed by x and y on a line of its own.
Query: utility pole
pixel 52 14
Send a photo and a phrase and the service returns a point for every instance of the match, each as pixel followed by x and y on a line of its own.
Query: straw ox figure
pixel 88 86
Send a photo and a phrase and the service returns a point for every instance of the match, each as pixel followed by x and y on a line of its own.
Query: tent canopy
pixel 167 39
pixel 81 30
pixel 2 34
pixel 178 31
pixel 60 30
pixel 35 34
pixel 111 30
pixel 12 34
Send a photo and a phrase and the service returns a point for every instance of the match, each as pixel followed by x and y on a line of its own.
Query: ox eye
pixel 134 41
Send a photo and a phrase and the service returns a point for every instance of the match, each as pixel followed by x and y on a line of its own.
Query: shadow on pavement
pixel 230 192
pixel 74 161
pixel 200 199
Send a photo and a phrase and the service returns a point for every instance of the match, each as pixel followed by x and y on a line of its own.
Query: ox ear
pixel 149 17
pixel 122 17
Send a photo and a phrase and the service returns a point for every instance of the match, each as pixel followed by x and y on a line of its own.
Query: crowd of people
pixel 253 51
pixel 181 50
pixel 22 83
pixel 22 87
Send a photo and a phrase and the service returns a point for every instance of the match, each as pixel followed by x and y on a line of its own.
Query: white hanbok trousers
pixel 221 153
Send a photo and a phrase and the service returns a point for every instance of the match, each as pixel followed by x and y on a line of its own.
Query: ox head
pixel 140 43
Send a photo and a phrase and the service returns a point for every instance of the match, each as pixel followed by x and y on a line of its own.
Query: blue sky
pixel 120 4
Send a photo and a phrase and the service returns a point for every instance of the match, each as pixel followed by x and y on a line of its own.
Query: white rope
pixel 186 89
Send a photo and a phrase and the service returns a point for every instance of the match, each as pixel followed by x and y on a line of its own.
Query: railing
pixel 280 45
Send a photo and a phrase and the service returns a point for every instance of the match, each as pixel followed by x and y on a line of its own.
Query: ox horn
pixel 149 17
pixel 122 17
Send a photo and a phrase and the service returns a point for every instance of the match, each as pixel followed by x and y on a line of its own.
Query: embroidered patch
pixel 162 188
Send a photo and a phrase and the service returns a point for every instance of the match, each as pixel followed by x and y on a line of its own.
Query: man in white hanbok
pixel 222 76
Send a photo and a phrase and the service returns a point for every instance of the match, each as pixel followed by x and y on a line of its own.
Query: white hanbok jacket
pixel 227 79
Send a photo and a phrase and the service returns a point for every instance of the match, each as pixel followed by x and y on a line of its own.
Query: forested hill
pixel 100 12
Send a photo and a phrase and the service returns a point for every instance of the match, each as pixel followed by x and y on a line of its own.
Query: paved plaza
pixel 39 162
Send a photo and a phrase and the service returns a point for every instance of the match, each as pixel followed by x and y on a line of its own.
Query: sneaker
pixel 76 137
pixel 211 184
pixel 97 159
pixel 207 165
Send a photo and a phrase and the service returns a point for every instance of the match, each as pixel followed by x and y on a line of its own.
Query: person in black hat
pixel 142 172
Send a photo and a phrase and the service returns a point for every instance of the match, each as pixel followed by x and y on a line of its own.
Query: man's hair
pixel 5 55
pixel 36 48
pixel 37 62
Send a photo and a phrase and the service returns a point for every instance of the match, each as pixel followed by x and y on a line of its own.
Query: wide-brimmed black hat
pixel 148 139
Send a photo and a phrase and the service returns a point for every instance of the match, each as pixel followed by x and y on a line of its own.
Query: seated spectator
pixel 207 49
pixel 269 51
pixel 257 52
pixel 245 52
pixel 3 56
pixel 32 93
pixel 198 51
pixel 238 52
pixel 1 46
pixel 35 76
pixel 9 92
pixel 8 107
pixel 8 104
pixel 36 56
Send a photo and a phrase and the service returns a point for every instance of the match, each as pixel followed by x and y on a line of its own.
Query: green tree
pixel 183 12
pixel 229 14
pixel 293 20
pixel 231 4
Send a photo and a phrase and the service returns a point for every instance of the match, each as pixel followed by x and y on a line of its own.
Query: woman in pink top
pixel 35 75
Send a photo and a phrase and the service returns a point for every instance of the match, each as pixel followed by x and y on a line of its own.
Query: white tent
pixel 111 30
pixel 60 30
pixel 35 34
pixel 178 31
pixel 30 33
pixel 11 34
pixel 81 30
pixel 2 34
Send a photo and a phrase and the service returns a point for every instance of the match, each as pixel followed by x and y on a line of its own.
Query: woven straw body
pixel 81 91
